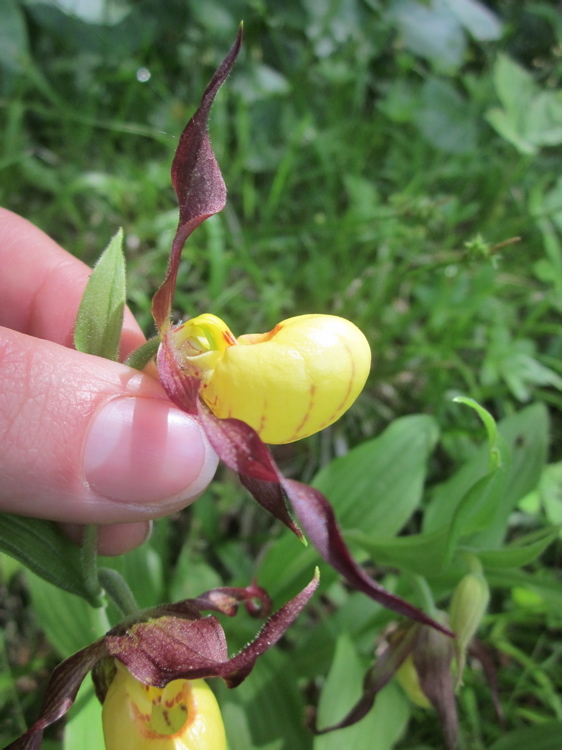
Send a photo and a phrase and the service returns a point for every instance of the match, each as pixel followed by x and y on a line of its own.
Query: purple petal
pixel 433 656
pixel 198 183
pixel 239 446
pixel 241 665
pixel 486 658
pixel 375 679
pixel 181 389
pixel 61 692
pixel 170 648
pixel 226 600
pixel 318 521
pixel 243 451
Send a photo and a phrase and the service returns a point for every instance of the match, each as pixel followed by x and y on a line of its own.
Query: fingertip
pixel 146 452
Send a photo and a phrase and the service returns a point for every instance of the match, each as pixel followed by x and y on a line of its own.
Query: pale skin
pixel 83 440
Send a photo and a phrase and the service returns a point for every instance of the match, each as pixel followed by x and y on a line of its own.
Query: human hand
pixel 83 440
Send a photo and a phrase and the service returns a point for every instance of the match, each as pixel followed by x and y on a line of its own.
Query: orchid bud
pixel 286 384
pixel 468 605
pixel 184 715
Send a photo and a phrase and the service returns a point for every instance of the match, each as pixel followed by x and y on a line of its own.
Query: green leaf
pixel 444 119
pixel 68 621
pixel 490 425
pixel 541 737
pixel 526 439
pixel 477 19
pixel 192 574
pixel 431 31
pixel 42 547
pixel 286 565
pixel 369 490
pixel 422 554
pixel 100 316
pixel 378 485
pixel 504 126
pixel 428 554
pixel 98 12
pixel 14 43
pixel 515 88
pixel 519 553
pixel 550 492
pixel 382 726
pixel 480 508
pixel 83 728
pixel 544 121
pixel 530 118
pixel 544 584
pixel 266 710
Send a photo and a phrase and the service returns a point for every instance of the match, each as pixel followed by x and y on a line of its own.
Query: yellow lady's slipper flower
pixel 182 716
pixel 148 671
pixel 286 384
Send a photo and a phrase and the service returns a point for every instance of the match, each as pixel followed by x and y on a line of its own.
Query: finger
pixel 41 286
pixel 86 440
pixel 113 540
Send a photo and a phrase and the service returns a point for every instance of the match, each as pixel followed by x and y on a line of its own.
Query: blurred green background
pixel 395 162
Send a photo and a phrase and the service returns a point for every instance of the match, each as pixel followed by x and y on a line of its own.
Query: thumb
pixel 86 440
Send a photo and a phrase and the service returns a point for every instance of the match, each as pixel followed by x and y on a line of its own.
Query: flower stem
pixel 117 589
pixel 472 561
pixel 89 558
pixel 144 354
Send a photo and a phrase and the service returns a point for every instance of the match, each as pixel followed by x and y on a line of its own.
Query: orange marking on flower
pixel 307 414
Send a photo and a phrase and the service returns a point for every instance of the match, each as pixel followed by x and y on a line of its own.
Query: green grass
pixel 365 179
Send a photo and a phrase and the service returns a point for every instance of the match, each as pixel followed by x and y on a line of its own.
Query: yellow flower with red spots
pixel 288 383
pixel 184 715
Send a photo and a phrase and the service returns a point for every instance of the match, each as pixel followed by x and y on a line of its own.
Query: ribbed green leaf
pixel 521 553
pixel 267 710
pixel 68 622
pixel 542 737
pixel 84 728
pixel 43 548
pixel 377 486
pixel 382 726
pixel 526 440
pixel 422 554
pixel 374 488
